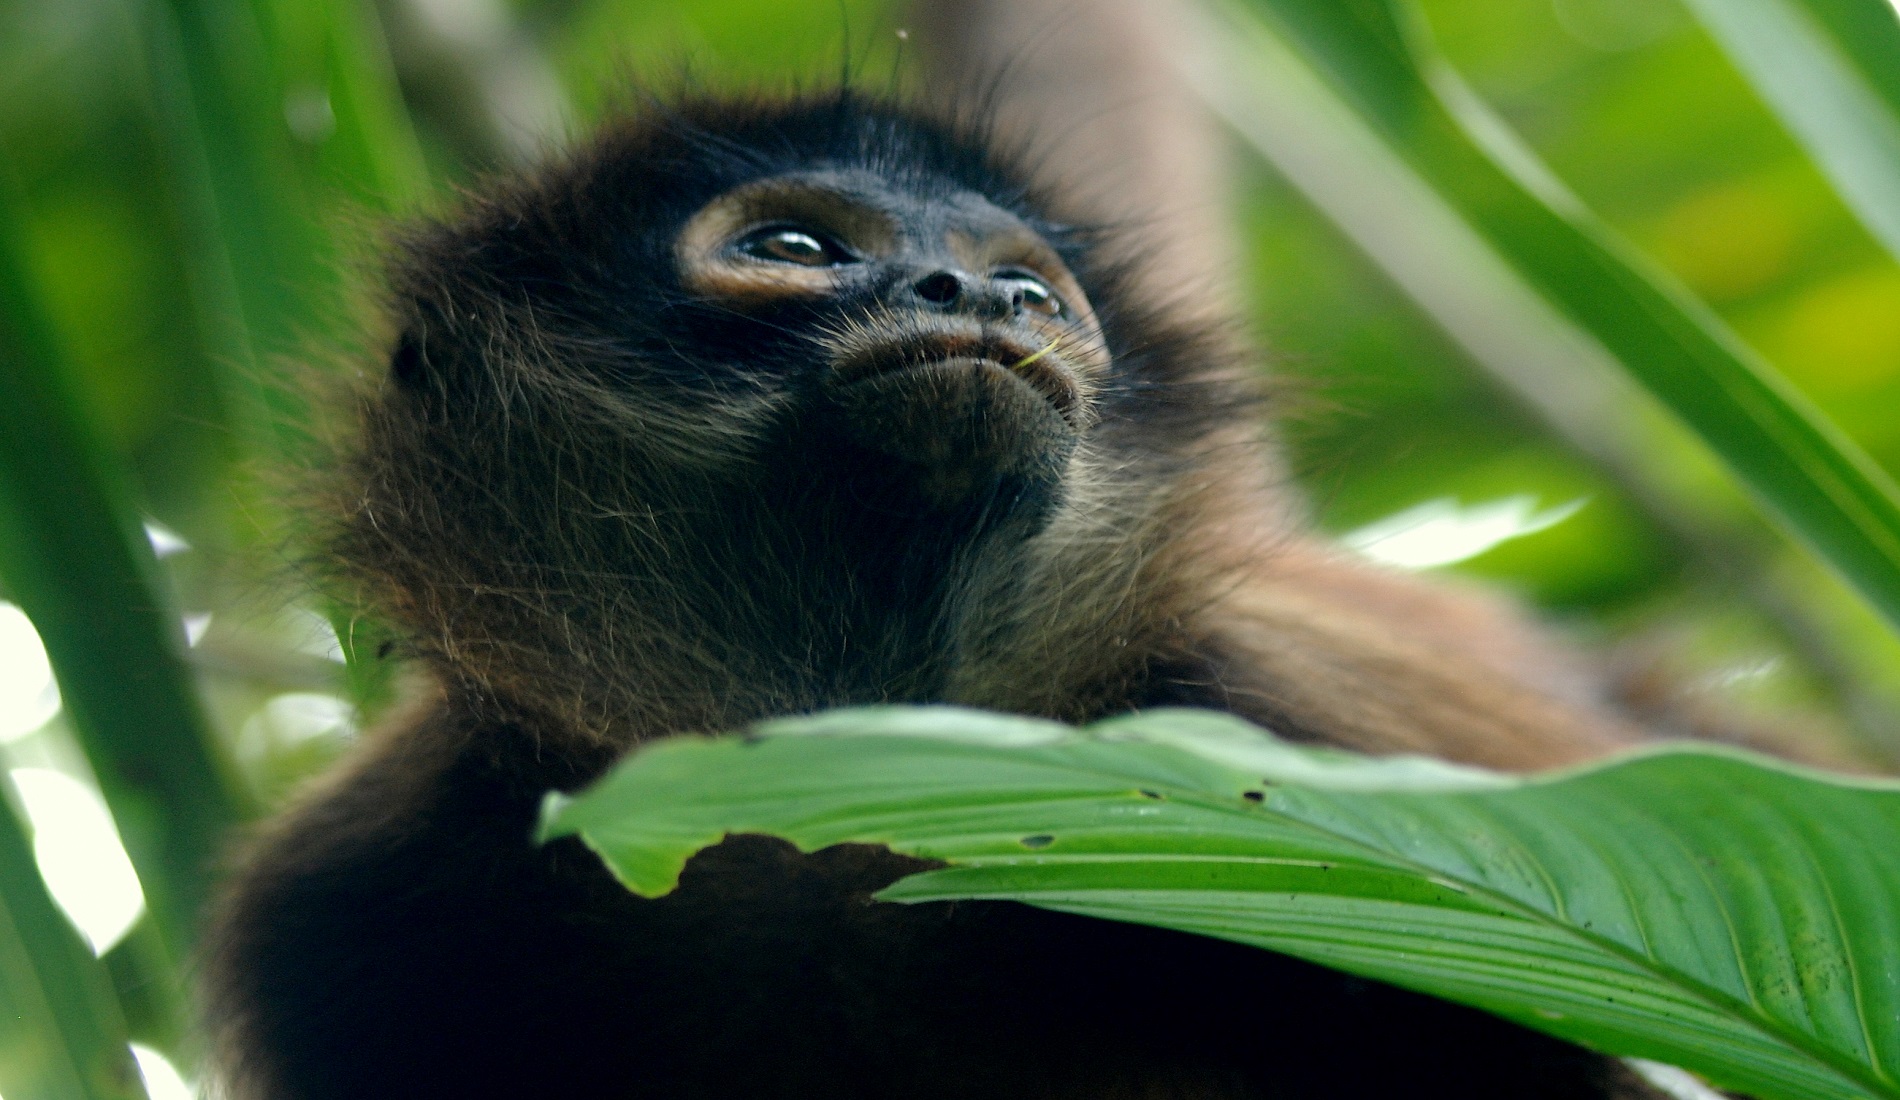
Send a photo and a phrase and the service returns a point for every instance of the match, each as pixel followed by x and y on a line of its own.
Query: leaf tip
pixel 549 824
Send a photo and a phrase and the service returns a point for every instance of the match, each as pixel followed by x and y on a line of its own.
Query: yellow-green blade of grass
pixel 1831 70
pixel 375 146
pixel 61 1036
pixel 1697 906
pixel 74 556
pixel 1824 490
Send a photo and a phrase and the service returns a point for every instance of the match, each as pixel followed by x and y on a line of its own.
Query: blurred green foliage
pixel 194 188
pixel 1638 112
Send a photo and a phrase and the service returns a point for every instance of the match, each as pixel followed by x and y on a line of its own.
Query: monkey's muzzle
pixel 931 348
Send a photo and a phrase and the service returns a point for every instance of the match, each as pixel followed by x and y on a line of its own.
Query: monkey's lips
pixel 1040 367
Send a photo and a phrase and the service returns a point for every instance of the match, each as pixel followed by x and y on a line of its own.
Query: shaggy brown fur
pixel 602 504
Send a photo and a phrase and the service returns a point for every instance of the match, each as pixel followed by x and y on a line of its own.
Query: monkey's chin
pixel 962 428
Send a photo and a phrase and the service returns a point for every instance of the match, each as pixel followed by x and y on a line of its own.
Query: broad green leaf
pixel 61 1034
pixel 1694 905
pixel 1374 60
pixel 1831 70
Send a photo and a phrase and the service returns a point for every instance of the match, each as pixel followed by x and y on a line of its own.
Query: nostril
pixel 939 288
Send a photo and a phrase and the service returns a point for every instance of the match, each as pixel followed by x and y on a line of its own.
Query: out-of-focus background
pixel 190 195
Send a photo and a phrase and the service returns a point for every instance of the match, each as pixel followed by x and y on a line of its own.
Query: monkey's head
pixel 787 370
pixel 838 286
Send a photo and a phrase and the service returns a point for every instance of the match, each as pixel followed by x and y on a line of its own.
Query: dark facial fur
pixel 749 408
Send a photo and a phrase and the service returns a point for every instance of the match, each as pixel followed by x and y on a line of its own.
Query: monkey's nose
pixel 952 290
pixel 942 288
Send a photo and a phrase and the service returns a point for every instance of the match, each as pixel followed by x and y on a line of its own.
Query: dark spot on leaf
pixel 1253 796
pixel 1146 793
pixel 1040 840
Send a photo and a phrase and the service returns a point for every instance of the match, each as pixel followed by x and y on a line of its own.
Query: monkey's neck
pixel 836 590
pixel 790 593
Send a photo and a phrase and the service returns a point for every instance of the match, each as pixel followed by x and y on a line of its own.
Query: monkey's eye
pixel 788 245
pixel 1036 295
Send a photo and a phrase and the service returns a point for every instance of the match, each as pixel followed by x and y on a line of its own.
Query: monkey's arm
pixel 1320 647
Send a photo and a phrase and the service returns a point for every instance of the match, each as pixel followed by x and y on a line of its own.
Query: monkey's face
pixel 807 371
pixel 914 320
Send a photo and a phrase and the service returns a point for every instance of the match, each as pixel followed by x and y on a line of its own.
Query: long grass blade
pixel 253 248
pixel 375 137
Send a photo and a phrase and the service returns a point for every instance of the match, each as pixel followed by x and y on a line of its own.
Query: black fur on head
pixel 591 461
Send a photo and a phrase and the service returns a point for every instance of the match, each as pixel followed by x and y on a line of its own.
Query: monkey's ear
pixel 408 364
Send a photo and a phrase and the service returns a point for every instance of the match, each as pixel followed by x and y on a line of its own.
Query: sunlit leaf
pixel 1444 531
pixel 61 1033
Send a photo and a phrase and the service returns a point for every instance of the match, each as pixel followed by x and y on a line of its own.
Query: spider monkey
pixel 748 407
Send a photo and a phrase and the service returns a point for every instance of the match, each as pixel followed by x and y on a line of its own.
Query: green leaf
pixel 75 558
pixel 1831 70
pixel 1376 64
pixel 1694 905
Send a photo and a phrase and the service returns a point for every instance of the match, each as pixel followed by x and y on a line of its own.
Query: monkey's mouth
pixel 1041 367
